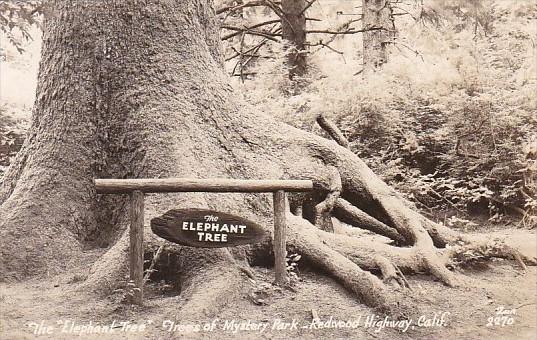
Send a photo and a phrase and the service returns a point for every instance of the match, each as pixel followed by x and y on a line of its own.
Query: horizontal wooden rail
pixel 125 186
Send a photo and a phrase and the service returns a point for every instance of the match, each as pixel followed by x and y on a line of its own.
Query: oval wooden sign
pixel 206 228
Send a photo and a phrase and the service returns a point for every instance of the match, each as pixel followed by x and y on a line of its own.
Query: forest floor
pixel 56 309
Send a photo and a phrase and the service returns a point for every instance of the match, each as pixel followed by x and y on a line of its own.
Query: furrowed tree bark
pixel 293 19
pixel 129 89
pixel 377 14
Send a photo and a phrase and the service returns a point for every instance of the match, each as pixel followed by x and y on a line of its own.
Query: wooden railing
pixel 137 187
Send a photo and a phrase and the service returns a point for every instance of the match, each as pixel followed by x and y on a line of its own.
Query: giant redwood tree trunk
pixel 379 21
pixel 134 89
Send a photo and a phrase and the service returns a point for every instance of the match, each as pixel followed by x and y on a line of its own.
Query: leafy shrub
pixel 453 125
pixel 12 134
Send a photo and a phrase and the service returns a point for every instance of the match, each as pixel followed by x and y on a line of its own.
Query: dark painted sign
pixel 206 228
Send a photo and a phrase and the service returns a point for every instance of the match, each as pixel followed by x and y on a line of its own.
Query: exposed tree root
pixel 323 210
pixel 351 215
pixel 366 286
pixel 332 130
pixel 414 259
pixel 348 259
pixel 391 272
pixel 206 290
pixel 367 255
pixel 205 286
pixel 110 271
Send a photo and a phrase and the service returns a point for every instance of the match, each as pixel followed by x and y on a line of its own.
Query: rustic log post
pixel 136 254
pixel 280 226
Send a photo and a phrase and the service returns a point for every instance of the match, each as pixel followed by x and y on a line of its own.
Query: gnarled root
pixel 391 273
pixel 206 283
pixel 323 210
pixel 205 291
pixel 414 259
pixel 365 285
pixel 351 215
pixel 110 271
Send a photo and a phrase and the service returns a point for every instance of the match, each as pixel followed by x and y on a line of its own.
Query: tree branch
pixel 245 5
pixel 332 130
pixel 320 43
pixel 350 31
pixel 310 3
pixel 249 28
pixel 264 34
pixel 333 37
pixel 253 50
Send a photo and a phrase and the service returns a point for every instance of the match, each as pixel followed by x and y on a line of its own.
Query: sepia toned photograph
pixel 268 169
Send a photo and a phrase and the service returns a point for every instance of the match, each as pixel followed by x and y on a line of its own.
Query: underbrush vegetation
pixel 450 120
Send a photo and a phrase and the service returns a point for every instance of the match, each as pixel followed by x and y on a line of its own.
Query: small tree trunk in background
pixel 377 15
pixel 294 35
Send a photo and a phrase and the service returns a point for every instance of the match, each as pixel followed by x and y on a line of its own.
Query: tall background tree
pixel 284 22
pixel 251 28
pixel 137 90
pixel 378 21
pixel 294 35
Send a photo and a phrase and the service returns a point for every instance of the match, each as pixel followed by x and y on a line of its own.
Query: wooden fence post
pixel 280 226
pixel 136 254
